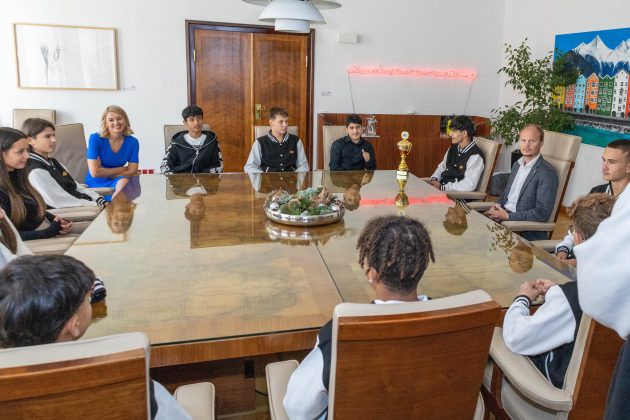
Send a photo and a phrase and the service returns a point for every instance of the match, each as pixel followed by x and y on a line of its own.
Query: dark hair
pixel 353 119
pixel 589 211
pixel 275 111
pixel 22 187
pixel 621 144
pixel 38 295
pixel 33 126
pixel 192 111
pixel 541 132
pixel 463 123
pixel 7 235
pixel 398 249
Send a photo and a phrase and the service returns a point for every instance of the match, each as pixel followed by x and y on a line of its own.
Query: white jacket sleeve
pixel 306 396
pixel 302 162
pixel 253 161
pixel 474 168
pixel 52 193
pixel 603 269
pixel 441 168
pixel 552 325
pixel 567 244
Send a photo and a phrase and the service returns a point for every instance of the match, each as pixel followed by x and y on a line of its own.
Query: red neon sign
pixel 412 200
pixel 411 72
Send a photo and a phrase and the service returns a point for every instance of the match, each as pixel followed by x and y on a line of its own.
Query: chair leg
pixel 492 397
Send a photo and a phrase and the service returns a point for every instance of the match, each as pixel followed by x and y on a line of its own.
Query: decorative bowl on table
pixel 309 207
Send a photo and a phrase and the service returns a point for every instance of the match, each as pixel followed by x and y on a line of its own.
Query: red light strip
pixel 412 200
pixel 410 72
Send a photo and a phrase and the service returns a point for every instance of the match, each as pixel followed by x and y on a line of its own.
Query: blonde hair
pixel 117 110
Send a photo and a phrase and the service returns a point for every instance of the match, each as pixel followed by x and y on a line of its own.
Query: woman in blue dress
pixel 112 154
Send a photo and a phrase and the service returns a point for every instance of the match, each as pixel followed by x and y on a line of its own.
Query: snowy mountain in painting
pixel 596 57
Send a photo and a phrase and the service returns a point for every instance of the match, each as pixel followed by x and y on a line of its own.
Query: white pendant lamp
pixel 293 15
pixel 320 4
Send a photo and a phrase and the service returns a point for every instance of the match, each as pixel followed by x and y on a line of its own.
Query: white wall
pixel 152 58
pixel 540 21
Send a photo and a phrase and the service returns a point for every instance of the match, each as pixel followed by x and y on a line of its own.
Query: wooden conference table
pixel 220 281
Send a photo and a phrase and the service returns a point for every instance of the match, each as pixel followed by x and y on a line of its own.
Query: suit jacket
pixel 538 195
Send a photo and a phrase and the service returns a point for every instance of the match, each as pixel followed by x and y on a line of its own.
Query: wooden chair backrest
pixel 490 151
pixel 71 149
pixel 99 378
pixel 411 360
pixel 261 130
pixel 171 129
pixel 591 368
pixel 562 147
pixel 331 133
pixel 21 115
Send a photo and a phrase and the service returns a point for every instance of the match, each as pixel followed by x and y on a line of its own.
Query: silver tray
pixel 318 220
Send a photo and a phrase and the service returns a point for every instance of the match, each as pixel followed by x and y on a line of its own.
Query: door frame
pixel 192 25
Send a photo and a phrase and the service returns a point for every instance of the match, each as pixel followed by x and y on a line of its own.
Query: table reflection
pixel 199 260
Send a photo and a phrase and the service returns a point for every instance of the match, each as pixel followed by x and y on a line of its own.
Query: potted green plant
pixel 535 80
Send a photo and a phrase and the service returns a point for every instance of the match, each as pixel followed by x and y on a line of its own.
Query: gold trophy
pixel 404 146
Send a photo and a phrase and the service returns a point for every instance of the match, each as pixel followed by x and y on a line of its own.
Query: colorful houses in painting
pixel 620 94
pixel 578 94
pixel 592 89
pixel 595 94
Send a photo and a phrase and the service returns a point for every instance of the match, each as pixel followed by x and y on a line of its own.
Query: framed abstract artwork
pixel 65 57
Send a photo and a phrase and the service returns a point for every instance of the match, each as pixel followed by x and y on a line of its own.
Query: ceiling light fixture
pixel 293 15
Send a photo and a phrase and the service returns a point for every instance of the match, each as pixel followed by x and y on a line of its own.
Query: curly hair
pixel 398 249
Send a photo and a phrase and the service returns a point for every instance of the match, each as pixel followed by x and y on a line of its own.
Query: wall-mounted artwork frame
pixel 65 57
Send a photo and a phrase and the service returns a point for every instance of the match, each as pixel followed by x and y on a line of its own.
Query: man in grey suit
pixel 531 190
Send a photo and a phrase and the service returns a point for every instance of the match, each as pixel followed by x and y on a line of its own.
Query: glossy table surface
pixel 193 259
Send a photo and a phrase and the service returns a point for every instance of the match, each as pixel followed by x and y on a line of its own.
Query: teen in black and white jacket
pixel 548 335
pixel 48 176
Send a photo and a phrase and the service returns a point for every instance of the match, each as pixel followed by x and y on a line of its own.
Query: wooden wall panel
pixel 424 133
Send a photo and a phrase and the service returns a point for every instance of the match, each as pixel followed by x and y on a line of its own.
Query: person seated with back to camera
pixel 352 152
pixel 23 205
pixel 615 170
pixel 193 150
pixel 548 335
pixel 48 176
pixel 530 193
pixel 394 252
pixel 278 150
pixel 45 299
pixel 463 163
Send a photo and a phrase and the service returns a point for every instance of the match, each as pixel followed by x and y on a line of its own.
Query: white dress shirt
pixel 255 157
pixel 519 180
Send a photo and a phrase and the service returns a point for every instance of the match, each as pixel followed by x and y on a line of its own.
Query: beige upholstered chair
pixel 560 151
pixel 171 129
pixel 100 377
pixel 490 151
pixel 21 115
pixel 58 245
pixel 71 151
pixel 330 133
pixel 403 360
pixel 261 130
pixel 514 387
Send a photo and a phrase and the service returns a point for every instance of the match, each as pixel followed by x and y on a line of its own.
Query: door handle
pixel 258 109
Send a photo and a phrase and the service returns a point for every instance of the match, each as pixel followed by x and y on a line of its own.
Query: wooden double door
pixel 236 74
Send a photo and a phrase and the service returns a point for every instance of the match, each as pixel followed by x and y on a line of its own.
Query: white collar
pixel 531 163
